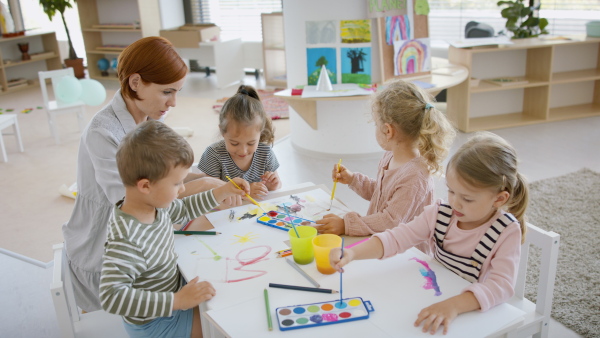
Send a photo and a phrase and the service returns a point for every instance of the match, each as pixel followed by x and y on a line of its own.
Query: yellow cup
pixel 302 248
pixel 322 244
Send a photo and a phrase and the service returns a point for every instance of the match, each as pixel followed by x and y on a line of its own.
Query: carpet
pixel 570 206
pixel 275 107
pixel 32 209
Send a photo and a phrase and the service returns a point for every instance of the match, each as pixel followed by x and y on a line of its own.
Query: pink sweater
pixel 499 271
pixel 396 196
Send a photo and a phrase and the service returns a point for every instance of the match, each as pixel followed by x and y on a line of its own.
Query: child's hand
pixel 443 313
pixel 344 175
pixel 258 190
pixel 192 294
pixel 233 201
pixel 271 180
pixel 336 262
pixel 331 224
pixel 229 189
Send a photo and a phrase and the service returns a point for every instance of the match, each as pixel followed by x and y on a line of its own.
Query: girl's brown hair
pixel 410 109
pixel 244 107
pixel 155 59
pixel 486 160
pixel 150 151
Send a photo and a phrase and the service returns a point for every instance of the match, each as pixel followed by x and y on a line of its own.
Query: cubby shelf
pixel 554 68
pixel 273 49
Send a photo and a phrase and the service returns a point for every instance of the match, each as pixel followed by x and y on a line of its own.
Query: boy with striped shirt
pixel 140 280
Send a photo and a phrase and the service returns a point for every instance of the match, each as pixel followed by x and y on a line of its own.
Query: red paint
pixel 345 315
pixel 272 213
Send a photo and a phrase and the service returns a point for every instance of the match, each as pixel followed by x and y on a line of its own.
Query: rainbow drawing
pixel 430 278
pixel 411 56
pixel 397 28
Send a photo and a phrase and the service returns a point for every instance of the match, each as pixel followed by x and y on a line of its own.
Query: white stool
pixel 7 120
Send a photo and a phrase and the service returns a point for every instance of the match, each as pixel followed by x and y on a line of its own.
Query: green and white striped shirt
pixel 139 265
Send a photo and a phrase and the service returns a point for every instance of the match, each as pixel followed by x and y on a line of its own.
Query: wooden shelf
pixel 490 87
pixel 115 30
pixel 576 76
pixel 273 49
pixel 502 121
pixel 20 63
pixel 572 112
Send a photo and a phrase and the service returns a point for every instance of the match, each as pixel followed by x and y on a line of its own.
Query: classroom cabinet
pixel 562 81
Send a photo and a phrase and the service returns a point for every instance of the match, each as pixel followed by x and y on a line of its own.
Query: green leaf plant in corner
pixel 521 19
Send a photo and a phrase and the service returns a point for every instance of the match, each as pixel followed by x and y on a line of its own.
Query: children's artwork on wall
pixel 411 56
pixel 355 31
pixel 320 32
pixel 317 57
pixel 356 65
pixel 398 28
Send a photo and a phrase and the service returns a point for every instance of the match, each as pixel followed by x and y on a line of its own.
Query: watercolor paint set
pixel 282 221
pixel 325 313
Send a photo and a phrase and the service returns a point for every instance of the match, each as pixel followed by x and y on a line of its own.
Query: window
pixel 236 18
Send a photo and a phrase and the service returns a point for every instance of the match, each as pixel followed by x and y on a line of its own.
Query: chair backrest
pixel 54 76
pixel 548 242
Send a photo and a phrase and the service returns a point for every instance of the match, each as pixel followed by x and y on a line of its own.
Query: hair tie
pixel 428 106
pixel 244 91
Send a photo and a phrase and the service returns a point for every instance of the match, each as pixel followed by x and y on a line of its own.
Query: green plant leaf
pixel 504 2
pixel 525 11
pixel 543 24
pixel 511 23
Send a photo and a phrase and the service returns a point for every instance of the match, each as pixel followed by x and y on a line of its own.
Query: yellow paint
pixel 354 302
pixel 264 219
pixel 249 237
pixel 310 198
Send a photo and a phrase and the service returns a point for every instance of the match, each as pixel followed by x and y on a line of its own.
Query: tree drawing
pixel 356 60
pixel 321 61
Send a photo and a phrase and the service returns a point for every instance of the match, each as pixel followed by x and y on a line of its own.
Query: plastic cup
pixel 302 248
pixel 322 244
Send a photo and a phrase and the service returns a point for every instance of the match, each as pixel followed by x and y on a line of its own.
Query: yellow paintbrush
pixel 334 185
pixel 247 196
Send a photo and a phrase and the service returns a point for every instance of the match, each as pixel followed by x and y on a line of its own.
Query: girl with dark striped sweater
pixel 477 234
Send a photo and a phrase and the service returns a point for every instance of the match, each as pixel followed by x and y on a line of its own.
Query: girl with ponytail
pixel 416 137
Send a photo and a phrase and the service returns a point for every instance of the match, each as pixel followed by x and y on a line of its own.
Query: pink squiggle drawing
pixel 430 278
pixel 243 263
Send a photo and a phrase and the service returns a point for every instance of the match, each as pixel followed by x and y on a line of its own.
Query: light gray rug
pixel 570 206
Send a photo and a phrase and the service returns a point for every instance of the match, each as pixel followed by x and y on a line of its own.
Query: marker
pixel 181 232
pixel 301 288
pixel 310 279
pixel 268 307
pixel 247 196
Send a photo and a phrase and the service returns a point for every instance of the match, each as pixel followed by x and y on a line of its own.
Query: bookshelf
pixel 563 82
pixel 273 49
pixel 44 52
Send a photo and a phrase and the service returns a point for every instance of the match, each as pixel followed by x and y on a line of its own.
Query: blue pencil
pixel 341 274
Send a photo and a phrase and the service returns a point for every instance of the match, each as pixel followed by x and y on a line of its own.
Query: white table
pixel 341 125
pixel 394 286
pixel 225 56
pixel 7 120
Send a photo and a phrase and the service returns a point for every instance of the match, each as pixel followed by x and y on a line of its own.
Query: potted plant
pixel 50 8
pixel 521 19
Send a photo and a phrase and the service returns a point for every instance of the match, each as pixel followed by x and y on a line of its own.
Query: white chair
pixel 55 107
pixel 70 321
pixel 7 120
pixel 537 315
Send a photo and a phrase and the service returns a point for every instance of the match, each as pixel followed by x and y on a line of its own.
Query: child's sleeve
pixel 363 185
pixel 122 264
pixel 406 202
pixel 272 163
pixel 188 208
pixel 209 163
pixel 498 276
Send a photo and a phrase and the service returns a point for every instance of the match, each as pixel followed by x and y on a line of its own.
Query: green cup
pixel 302 248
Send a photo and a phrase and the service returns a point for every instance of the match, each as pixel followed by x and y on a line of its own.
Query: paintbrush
pixel 247 196
pixel 291 222
pixel 341 275
pixel 334 184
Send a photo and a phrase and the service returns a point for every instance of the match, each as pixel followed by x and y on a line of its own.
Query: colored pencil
pixel 310 279
pixel 301 288
pixel 247 196
pixel 268 307
pixel 187 232
pixel 334 185
pixel 341 274
pixel 285 254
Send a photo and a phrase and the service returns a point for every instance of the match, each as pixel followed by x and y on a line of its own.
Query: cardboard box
pixel 189 36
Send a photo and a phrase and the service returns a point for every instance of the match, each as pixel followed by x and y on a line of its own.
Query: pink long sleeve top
pixel 499 271
pixel 396 196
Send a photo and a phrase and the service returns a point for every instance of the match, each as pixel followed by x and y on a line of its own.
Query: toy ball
pixel 114 63
pixel 92 92
pixel 68 89
pixel 103 64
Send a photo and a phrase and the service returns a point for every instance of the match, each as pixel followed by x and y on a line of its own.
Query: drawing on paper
pixel 411 56
pixel 247 215
pixel 397 28
pixel 356 65
pixel 315 59
pixel 355 31
pixel 320 32
pixel 231 215
pixel 249 237
pixel 216 256
pixel 429 275
pixel 249 261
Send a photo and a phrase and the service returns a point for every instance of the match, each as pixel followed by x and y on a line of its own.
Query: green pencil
pixel 181 232
pixel 268 307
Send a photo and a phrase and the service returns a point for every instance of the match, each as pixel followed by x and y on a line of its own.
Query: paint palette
pixel 326 313
pixel 282 221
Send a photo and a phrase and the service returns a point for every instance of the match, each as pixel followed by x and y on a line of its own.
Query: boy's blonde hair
pixel 410 109
pixel 244 107
pixel 150 151
pixel 486 160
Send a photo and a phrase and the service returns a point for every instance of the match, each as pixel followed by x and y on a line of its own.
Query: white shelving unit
pixel 274 49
